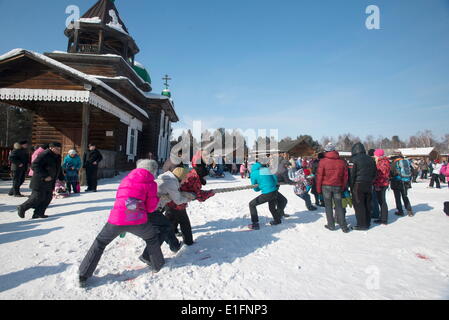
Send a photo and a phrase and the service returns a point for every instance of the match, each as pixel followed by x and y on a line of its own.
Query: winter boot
pixel 146 261
pixel 360 228
pixel 312 208
pixel 275 222
pixel 20 212
pixel 329 228
pixel 286 215
pixel 175 249
pixel 82 282
pixel 398 213
pixel 345 229
pixel 379 221
pixel 254 226
pixel 410 213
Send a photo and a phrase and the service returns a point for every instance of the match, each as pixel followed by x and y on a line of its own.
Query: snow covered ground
pixel 300 259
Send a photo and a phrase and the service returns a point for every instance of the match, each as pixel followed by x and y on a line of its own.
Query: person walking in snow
pixel 47 169
pixel 362 176
pixel 177 213
pixel 91 160
pixel 400 174
pixel 268 185
pixel 381 184
pixel 435 177
pixel 332 179
pixel 19 158
pixel 72 165
pixel 136 198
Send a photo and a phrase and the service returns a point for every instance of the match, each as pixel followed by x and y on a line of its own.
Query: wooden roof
pixel 105 15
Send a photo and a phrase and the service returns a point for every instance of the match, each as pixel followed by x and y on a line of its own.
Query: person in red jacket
pixel 332 178
pixel 177 214
pixel 381 183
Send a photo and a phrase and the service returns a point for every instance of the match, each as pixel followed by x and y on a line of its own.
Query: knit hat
pixel 379 153
pixel 180 173
pixel 329 147
pixel 149 165
pixel 72 152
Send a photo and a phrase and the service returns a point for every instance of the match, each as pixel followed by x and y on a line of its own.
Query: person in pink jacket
pixel 136 198
pixel 35 154
pixel 445 171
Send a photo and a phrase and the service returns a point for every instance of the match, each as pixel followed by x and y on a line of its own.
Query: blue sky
pixel 303 67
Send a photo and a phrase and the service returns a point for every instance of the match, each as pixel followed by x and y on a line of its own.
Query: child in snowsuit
pixel 243 169
pixel 303 184
pixel 268 184
pixel 136 197
pixel 177 213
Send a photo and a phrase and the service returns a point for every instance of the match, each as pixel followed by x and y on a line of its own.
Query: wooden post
pixel 84 138
pixel 100 42
pixel 76 40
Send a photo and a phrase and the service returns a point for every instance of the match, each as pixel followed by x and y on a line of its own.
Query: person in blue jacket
pixel 72 165
pixel 268 184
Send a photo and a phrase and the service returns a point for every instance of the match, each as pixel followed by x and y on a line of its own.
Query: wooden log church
pixel 94 93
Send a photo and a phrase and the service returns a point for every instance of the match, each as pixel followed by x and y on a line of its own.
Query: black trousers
pixel 381 199
pixel 362 201
pixel 109 232
pixel 39 201
pixel 18 178
pixel 180 217
pixel 435 179
pixel 165 229
pixel 402 193
pixel 92 177
pixel 276 203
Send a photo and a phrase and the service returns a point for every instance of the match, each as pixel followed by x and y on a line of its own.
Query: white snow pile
pixel 299 259
pixel 94 20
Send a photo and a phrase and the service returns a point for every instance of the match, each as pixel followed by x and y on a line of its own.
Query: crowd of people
pixel 153 205
pixel 48 173
pixel 361 181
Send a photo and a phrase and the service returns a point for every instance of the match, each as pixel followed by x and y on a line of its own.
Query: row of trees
pixel 421 139
pixel 15 125
pixel 343 142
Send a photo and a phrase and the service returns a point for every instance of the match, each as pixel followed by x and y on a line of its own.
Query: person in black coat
pixel 47 169
pixel 361 180
pixel 19 158
pixel 91 160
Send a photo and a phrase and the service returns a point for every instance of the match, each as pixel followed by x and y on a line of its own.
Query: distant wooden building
pixel 95 92
pixel 420 153
pixel 297 148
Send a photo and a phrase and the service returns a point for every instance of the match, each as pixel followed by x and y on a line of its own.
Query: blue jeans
pixel 306 197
